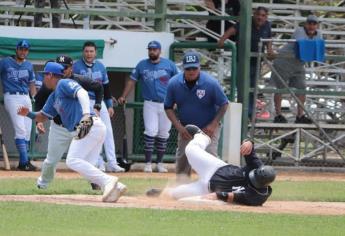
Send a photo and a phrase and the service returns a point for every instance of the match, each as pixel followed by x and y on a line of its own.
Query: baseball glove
pixel 84 126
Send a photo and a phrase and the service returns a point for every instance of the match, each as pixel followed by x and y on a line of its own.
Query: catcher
pixel 71 102
pixel 248 185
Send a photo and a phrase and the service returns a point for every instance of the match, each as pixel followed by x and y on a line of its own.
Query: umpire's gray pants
pixel 183 168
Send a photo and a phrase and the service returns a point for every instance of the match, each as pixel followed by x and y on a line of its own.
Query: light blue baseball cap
pixel 54 68
pixel 191 60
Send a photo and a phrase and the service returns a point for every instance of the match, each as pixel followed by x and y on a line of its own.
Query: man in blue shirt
pixel 18 79
pixel 72 103
pixel 153 75
pixel 95 70
pixel 200 101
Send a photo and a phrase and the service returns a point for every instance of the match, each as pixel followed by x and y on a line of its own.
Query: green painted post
pixel 244 61
pixel 160 9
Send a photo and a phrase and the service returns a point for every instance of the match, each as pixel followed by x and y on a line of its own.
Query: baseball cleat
pixel 148 168
pixel 193 129
pixel 95 186
pixel 27 167
pixel 113 167
pixel 110 190
pixel 153 192
pixel 40 184
pixel 161 168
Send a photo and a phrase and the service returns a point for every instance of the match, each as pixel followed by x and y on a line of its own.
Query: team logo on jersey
pixel 200 93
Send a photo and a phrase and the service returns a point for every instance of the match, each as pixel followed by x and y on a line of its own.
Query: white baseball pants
pixel 83 154
pixel 204 164
pixel 156 122
pixel 109 142
pixel 21 124
pixel 59 140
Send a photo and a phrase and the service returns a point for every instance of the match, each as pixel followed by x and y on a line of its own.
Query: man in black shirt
pixel 248 185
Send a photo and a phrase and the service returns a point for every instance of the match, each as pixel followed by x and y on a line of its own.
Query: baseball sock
pixel 161 145
pixel 149 143
pixel 23 155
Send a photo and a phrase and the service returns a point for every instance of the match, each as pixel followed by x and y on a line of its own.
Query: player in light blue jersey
pixel 18 80
pixel 95 70
pixel 72 103
pixel 153 75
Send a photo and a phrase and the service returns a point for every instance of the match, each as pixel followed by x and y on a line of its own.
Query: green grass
pixel 282 190
pixel 19 218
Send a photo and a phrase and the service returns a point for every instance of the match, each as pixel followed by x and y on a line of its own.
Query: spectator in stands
pixel 200 101
pixel 291 69
pixel 38 16
pixel 261 28
pixel 232 8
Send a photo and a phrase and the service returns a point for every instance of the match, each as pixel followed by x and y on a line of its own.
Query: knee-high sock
pixel 161 145
pixel 149 144
pixel 23 154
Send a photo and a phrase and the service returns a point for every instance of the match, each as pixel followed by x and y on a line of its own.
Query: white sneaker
pixel 114 167
pixel 148 168
pixel 40 184
pixel 110 193
pixel 161 168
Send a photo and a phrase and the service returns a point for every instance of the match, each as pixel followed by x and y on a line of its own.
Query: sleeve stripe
pixel 47 115
pixel 75 92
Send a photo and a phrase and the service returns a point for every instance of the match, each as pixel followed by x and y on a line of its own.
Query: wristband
pixel 31 115
pixel 222 196
pixel 108 103
pixel 97 106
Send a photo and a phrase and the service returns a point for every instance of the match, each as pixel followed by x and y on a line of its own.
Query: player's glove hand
pixel 84 126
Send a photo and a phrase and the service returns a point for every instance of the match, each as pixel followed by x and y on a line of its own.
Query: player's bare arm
pixel 180 128
pixel 37 116
pixel 212 127
pixel 128 88
pixel 33 90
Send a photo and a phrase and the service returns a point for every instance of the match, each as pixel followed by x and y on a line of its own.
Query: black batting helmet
pixel 262 176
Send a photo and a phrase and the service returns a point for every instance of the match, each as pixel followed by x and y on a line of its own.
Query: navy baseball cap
pixel 154 44
pixel 64 60
pixel 312 19
pixel 23 44
pixel 191 60
pixel 54 68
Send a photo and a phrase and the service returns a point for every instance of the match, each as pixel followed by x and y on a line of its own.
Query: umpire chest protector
pixel 227 177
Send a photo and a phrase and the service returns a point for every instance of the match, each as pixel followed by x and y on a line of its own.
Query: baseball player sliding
pixel 153 74
pixel 218 180
pixel 95 70
pixel 18 78
pixel 59 137
pixel 72 103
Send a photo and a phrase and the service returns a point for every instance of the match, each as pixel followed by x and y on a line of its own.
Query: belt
pixel 158 101
pixel 16 93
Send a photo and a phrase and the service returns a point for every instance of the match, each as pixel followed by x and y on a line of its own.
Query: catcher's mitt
pixel 84 127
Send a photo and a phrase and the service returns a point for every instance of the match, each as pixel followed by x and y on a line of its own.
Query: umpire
pixel 200 101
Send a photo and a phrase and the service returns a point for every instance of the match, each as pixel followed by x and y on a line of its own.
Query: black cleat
pixel 27 167
pixel 95 186
pixel 153 192
pixel 280 119
pixel 303 120
pixel 193 129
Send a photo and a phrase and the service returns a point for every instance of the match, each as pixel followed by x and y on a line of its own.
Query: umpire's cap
pixel 54 68
pixel 23 44
pixel 64 60
pixel 262 176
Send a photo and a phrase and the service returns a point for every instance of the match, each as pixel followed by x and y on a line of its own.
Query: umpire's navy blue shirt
pixel 198 105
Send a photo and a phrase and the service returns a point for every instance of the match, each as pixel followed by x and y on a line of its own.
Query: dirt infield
pixel 291 207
